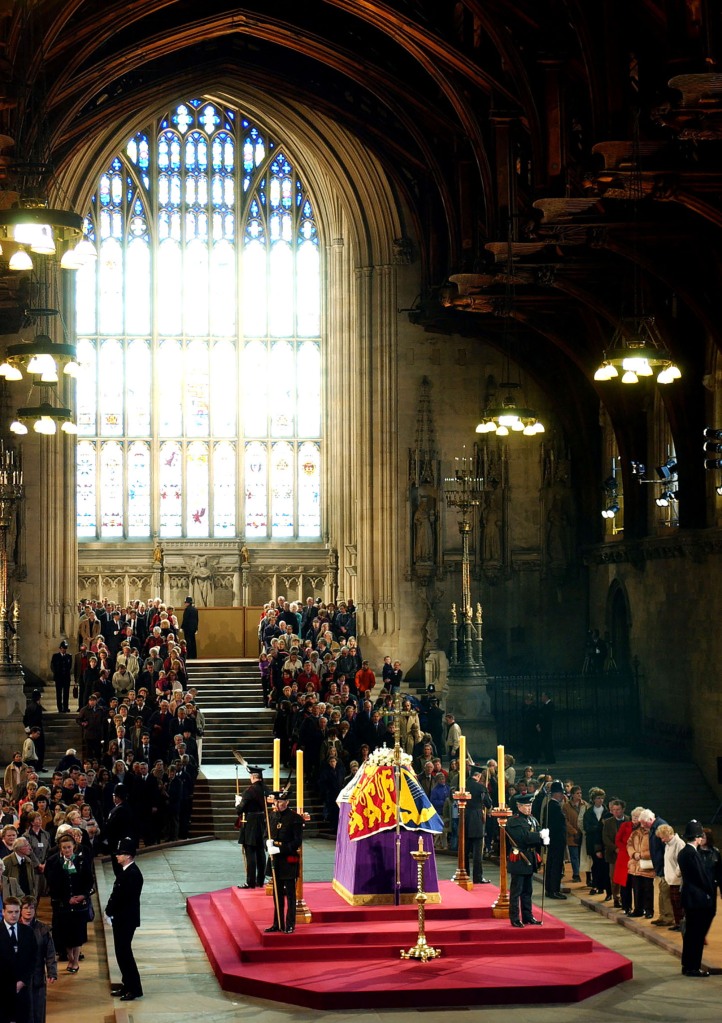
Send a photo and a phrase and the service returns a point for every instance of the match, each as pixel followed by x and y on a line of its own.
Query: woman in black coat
pixel 69 875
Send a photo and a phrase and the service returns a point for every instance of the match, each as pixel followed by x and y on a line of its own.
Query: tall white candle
pixel 500 775
pixel 299 779
pixel 276 764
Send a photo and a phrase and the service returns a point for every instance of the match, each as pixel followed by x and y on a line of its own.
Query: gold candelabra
pixel 421 950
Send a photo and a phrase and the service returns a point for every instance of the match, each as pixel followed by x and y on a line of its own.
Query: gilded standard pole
pixel 500 908
pixel 461 877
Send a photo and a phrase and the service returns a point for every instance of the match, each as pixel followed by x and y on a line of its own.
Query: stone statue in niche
pixel 493 526
pixel 559 519
pixel 202 580
pixel 557 532
pixel 424 518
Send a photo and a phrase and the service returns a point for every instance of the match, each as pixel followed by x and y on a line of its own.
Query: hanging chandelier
pixel 32 226
pixel 43 361
pixel 637 349
pixel 510 415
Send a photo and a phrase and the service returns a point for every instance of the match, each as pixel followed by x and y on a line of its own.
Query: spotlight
pixel 610 483
pixel 717 488
pixel 666 498
pixel 709 433
pixel 713 463
pixel 638 468
pixel 610 511
pixel 711 447
pixel 666 471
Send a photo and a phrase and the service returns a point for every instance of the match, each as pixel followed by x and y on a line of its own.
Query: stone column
pixel 377 441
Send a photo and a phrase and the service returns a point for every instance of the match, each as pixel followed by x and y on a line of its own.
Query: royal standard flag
pixel 372 803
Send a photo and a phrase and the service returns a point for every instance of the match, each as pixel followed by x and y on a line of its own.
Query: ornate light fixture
pixel 637 349
pixel 611 491
pixel 44 362
pixel 509 415
pixel 464 491
pixel 32 226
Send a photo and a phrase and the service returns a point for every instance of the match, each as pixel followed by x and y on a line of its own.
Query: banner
pixel 372 802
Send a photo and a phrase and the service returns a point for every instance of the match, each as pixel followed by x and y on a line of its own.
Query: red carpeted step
pixel 479 962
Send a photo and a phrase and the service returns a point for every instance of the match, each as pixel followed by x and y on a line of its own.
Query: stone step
pixel 673 790
pixel 214 808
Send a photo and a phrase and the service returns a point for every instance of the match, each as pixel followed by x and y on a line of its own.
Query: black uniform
pixel 476 809
pixel 252 833
pixel 123 908
pixel 522 836
pixel 287 834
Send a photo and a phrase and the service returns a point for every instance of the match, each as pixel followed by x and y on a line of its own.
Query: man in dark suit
pixel 556 823
pixel 189 625
pixel 698 898
pixel 17 962
pixel 61 665
pixel 147 804
pixel 120 824
pixel 123 910
pixel 476 810
pixel 524 838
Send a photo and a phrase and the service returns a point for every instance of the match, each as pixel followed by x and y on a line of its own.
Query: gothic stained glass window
pixel 199 337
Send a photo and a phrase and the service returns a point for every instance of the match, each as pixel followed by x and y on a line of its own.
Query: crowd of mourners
pixel 132 775
pixel 330 703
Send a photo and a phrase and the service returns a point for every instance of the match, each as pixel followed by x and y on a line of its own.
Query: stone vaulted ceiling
pixel 586 134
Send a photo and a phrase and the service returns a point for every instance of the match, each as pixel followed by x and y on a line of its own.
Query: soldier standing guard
pixel 284 845
pixel 524 839
pixel 251 812
pixel 476 811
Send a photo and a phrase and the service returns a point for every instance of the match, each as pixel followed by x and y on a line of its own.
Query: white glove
pixel 544 832
pixel 238 800
pixel 272 849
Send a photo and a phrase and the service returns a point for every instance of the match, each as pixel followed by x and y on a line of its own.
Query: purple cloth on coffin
pixel 368 865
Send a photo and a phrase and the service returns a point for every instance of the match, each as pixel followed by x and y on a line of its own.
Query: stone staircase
pixel 229 693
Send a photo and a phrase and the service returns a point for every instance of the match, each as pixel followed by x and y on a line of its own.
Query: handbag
pixel 91 912
pixel 646 865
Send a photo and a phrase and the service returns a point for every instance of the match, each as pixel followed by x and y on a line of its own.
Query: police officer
pixel 476 810
pixel 524 839
pixel 251 812
pixel 123 910
pixel 284 847
pixel 698 898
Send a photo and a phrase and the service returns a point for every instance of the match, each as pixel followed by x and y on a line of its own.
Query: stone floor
pixel 181 988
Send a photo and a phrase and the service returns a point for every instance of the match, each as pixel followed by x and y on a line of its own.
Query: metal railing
pixel 590 711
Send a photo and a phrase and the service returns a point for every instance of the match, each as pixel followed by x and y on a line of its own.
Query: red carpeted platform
pixel 354 950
